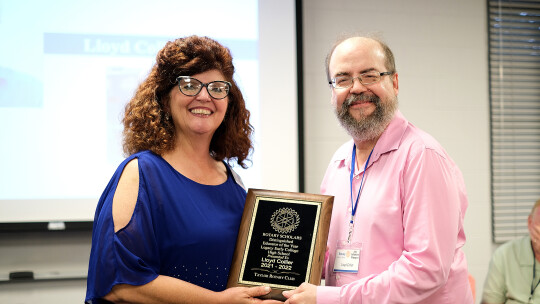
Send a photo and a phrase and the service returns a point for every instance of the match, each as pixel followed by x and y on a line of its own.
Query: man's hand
pixel 304 294
pixel 533 222
pixel 535 233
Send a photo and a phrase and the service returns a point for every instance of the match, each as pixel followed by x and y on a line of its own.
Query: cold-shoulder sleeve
pixel 129 256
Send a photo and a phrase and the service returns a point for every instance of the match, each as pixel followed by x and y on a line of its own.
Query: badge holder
pixel 347 257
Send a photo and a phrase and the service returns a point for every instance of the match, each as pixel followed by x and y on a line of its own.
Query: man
pixel 514 271
pixel 396 231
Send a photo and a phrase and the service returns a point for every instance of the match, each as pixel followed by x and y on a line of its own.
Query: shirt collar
pixel 525 253
pixel 389 141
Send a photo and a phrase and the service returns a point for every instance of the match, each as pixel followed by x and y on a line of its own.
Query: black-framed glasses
pixel 345 82
pixel 190 86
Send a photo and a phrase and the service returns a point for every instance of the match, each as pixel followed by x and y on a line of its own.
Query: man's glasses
pixel 190 86
pixel 345 82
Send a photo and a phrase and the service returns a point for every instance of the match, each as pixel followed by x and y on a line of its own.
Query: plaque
pixel 282 240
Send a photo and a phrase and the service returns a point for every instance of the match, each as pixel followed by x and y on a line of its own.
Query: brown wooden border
pixel 318 253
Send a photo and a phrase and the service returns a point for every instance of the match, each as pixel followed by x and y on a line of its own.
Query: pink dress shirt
pixel 409 220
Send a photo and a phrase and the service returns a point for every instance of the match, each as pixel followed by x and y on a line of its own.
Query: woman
pixel 166 225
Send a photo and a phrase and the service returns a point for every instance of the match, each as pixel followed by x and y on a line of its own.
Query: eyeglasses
pixel 190 86
pixel 345 82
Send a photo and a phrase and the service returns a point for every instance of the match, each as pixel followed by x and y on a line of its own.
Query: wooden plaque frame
pixel 278 269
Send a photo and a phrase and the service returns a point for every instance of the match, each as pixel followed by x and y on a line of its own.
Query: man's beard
pixel 371 126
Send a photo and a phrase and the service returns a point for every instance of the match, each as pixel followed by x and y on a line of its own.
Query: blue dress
pixel 179 228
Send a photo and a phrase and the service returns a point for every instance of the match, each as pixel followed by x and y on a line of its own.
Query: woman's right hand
pixel 246 295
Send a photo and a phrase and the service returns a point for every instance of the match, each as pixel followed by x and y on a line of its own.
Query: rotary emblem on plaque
pixel 285 220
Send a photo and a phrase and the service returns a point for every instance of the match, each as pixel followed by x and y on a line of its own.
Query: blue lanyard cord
pixel 355 203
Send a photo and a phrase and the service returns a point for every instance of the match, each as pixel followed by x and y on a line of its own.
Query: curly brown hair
pixel 145 124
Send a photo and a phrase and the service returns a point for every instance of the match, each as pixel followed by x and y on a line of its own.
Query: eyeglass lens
pixel 192 86
pixel 348 81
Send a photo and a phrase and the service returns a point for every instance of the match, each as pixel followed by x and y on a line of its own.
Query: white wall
pixel 278 41
pixel 441 58
pixel 47 254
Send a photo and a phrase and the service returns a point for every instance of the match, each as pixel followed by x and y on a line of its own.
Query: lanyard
pixel 533 287
pixel 355 203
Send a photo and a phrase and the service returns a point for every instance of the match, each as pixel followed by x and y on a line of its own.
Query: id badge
pixel 347 257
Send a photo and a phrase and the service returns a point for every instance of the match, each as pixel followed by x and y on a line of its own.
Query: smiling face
pixel 364 111
pixel 200 114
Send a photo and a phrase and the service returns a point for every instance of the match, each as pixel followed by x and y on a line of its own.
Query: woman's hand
pixel 246 295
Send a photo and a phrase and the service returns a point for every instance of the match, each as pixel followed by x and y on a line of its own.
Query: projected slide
pixel 67 68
